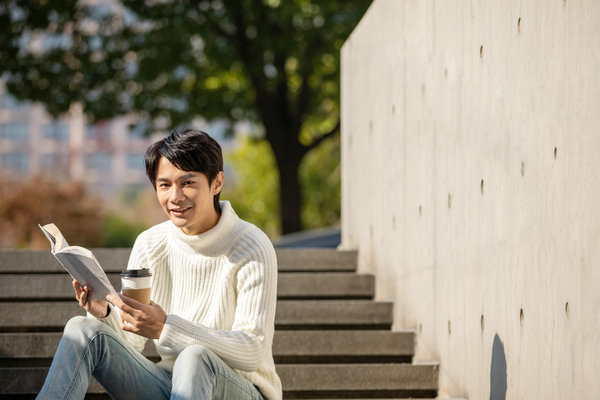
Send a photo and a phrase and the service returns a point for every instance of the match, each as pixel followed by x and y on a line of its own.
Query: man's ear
pixel 217 185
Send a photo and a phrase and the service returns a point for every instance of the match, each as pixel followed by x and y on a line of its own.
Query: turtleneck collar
pixel 212 242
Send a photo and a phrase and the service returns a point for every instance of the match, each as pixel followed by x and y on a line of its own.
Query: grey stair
pixel 333 314
pixel 290 314
pixel 115 260
pixel 400 380
pixel 298 380
pixel 316 260
pixel 288 346
pixel 342 346
pixel 331 341
pixel 290 285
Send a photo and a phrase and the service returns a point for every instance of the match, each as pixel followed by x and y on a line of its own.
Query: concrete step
pixel 26 348
pixel 291 314
pixel 298 380
pixel 343 346
pixel 358 380
pixel 291 285
pixel 115 260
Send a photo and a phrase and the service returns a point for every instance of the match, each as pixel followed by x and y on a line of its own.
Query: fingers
pixel 116 301
pixel 132 302
pixel 128 313
pixel 86 297
pixel 77 288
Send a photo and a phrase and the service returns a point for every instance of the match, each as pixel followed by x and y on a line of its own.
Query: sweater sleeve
pixel 245 345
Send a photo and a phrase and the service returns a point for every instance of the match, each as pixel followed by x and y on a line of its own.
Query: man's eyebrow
pixel 187 176
pixel 182 177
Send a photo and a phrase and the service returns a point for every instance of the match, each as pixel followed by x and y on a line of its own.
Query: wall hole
pixel 481 52
pixel 482 323
pixel 449 327
pixel 393 109
pixel 482 186
pixel 449 200
pixel 522 317
pixel 420 210
pixel 519 25
pixel 555 152
pixel 420 328
pixel 522 168
pixel 567 309
pixel 393 222
pixel 445 72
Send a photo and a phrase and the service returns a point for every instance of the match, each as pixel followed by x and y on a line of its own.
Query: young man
pixel 213 297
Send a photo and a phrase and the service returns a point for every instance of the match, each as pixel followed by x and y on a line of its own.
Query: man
pixel 213 297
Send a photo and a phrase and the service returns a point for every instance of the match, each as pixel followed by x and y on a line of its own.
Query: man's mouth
pixel 180 211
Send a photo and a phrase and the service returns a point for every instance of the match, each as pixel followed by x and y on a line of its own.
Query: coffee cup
pixel 136 284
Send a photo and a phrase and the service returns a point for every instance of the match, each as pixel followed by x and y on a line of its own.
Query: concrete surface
pixel 115 260
pixel 290 285
pixel 471 187
pixel 315 313
pixel 326 344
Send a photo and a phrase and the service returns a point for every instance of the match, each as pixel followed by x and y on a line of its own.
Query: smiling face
pixel 187 197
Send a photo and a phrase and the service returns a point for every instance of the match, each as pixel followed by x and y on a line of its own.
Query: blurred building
pixel 107 156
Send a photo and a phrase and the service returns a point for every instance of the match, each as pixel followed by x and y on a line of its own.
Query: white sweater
pixel 219 289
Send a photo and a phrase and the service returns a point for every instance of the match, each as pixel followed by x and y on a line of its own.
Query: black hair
pixel 188 150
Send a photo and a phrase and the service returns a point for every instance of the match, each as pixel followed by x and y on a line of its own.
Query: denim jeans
pixel 90 348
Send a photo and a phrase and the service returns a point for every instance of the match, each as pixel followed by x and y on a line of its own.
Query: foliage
pixel 272 62
pixel 321 183
pixel 24 205
pixel 252 185
pixel 117 232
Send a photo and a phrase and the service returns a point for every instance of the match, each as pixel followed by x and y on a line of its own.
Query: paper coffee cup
pixel 136 283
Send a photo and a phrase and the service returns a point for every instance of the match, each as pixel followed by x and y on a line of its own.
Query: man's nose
pixel 176 193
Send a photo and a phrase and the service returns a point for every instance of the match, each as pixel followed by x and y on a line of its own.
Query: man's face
pixel 187 198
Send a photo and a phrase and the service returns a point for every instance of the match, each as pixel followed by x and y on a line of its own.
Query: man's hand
pixel 144 320
pixel 85 298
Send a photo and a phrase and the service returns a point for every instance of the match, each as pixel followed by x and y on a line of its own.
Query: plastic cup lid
pixel 136 273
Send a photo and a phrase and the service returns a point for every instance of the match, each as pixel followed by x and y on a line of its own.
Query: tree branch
pixel 320 139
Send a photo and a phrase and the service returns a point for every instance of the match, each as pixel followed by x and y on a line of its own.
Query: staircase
pixel 332 339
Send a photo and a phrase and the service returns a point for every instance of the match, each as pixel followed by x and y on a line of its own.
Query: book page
pixel 88 273
pixel 80 263
pixel 57 240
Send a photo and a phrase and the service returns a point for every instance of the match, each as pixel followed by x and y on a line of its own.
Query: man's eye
pixel 188 183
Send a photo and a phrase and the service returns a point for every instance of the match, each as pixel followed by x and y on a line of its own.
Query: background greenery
pixel 274 63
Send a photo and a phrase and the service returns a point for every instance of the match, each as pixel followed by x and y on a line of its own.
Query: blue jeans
pixel 90 348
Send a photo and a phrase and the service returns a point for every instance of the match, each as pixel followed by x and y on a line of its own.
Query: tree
pixel 275 62
pixel 252 183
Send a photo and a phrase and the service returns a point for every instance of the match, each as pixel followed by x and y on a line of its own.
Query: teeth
pixel 181 209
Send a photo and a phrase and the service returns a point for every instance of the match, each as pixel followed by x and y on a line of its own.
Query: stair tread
pixel 285 344
pixel 115 260
pixel 294 378
pixel 290 313
pixel 290 285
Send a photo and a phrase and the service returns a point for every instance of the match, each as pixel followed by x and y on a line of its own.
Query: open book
pixel 80 263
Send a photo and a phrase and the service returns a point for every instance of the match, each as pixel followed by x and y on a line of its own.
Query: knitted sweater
pixel 218 290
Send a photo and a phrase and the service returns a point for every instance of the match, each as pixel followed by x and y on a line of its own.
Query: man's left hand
pixel 144 320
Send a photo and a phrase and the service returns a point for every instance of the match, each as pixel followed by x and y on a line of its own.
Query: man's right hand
pixel 85 298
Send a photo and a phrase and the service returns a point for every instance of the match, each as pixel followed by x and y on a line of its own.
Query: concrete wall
pixel 471 186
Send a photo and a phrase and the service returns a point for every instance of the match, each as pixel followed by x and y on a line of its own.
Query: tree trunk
pixel 290 195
